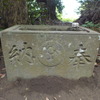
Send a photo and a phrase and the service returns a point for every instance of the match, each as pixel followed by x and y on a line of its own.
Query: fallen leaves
pixel 25 97
pixel 54 98
pixel 26 89
pixel 47 98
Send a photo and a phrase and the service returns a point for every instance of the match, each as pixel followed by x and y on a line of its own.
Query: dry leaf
pixel 55 98
pixel 27 89
pixel 47 98
pixel 3 68
pixel 2 75
pixel 25 97
pixel 59 96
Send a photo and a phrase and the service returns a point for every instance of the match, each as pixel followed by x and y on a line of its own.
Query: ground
pixel 49 88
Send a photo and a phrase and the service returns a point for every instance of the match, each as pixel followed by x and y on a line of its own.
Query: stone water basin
pixel 31 51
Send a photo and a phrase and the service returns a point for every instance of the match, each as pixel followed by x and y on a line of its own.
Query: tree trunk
pixel 13 12
pixel 51 9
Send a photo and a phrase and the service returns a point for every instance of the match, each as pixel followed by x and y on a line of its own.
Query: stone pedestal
pixel 32 51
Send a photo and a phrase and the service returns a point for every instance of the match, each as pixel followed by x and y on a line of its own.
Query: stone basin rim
pixel 16 30
pixel 50 32
pixel 41 28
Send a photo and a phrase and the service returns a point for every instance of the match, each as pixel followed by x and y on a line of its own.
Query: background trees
pixel 28 11
pixel 43 10
pixel 90 11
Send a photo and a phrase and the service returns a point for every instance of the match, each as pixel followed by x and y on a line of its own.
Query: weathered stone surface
pixel 32 51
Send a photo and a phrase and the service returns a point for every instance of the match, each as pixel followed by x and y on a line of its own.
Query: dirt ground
pixel 50 88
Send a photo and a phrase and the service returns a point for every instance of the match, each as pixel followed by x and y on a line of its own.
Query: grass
pixel 68 19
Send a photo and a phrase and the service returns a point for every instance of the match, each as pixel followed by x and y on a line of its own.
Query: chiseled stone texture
pixel 32 51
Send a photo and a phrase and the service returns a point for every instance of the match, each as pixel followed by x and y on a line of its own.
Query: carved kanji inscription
pixel 21 55
pixel 80 57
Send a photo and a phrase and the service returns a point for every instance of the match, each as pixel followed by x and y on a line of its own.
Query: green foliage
pixel 67 19
pixel 39 12
pixel 91 25
pixel 36 11
pixel 59 6
pixel 88 5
